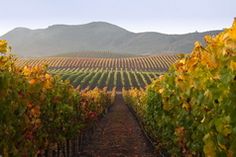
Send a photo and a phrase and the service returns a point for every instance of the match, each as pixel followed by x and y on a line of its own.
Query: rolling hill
pixel 97 36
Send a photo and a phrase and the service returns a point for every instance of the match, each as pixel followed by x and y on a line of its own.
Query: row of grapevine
pixel 146 63
pixel 39 110
pixel 104 78
pixel 191 110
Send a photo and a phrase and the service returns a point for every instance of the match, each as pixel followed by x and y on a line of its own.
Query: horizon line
pixel 132 31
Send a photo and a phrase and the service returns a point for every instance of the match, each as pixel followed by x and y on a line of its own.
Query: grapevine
pixel 190 110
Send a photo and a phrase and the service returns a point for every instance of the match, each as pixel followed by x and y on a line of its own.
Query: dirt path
pixel 118 135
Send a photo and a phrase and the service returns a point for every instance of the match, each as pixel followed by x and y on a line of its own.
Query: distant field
pixel 147 63
pixel 90 72
pixel 96 54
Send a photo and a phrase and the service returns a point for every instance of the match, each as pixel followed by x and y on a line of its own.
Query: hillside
pixel 97 36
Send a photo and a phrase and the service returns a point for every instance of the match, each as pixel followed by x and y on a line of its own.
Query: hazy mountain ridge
pixel 97 36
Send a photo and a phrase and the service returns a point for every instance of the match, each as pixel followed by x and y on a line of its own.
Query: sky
pixel 165 16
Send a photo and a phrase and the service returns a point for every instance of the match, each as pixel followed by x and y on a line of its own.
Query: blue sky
pixel 166 16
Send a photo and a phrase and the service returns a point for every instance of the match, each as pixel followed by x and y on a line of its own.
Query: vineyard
pixel 35 115
pixel 191 109
pixel 88 73
pixel 90 78
pixel 147 63
pixel 180 105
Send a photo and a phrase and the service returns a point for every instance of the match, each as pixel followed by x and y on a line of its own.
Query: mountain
pixel 97 36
